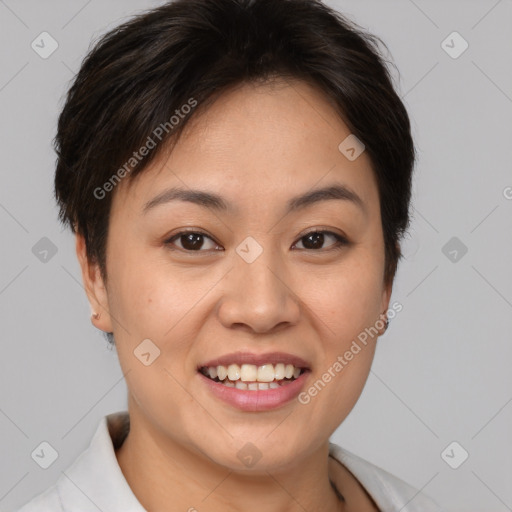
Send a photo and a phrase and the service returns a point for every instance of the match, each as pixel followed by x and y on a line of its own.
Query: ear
pixel 386 297
pixel 388 287
pixel 94 288
pixel 384 305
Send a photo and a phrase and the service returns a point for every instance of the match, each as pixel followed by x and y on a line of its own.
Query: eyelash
pixel 341 241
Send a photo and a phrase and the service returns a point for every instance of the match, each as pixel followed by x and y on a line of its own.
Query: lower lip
pixel 256 400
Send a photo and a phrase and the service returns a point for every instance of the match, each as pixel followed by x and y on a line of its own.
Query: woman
pixel 238 175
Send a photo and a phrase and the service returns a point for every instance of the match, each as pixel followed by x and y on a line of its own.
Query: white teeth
pixel 222 372
pixel 248 372
pixel 254 386
pixel 233 372
pixel 250 376
pixel 279 371
pixel 266 373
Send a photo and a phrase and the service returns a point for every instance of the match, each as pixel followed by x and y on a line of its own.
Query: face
pixel 256 277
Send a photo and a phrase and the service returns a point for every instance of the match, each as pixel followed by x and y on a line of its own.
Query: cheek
pixel 160 394
pixel 146 298
pixel 348 299
pixel 163 305
pixel 348 307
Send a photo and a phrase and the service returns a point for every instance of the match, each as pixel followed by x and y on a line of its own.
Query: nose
pixel 258 296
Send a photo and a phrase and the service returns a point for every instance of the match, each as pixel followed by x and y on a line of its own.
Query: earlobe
pixel 94 288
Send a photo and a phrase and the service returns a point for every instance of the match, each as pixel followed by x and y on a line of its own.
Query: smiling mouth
pixel 252 377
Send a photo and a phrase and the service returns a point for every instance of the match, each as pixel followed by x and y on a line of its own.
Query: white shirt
pixel 95 480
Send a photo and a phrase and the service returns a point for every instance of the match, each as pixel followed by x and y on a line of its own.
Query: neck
pixel 162 471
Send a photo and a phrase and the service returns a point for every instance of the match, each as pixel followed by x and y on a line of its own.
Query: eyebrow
pixel 215 202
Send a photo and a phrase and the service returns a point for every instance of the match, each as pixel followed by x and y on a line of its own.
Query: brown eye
pixel 314 240
pixel 191 241
pixel 194 241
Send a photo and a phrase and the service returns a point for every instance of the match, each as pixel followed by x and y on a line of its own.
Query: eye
pixel 191 241
pixel 315 239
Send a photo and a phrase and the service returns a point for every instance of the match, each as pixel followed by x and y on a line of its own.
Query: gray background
pixel 442 371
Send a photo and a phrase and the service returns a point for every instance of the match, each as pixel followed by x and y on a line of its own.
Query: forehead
pixel 257 142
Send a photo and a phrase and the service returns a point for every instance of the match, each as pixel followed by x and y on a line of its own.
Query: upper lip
pixel 256 359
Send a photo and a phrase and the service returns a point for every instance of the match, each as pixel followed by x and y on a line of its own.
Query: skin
pixel 257 146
